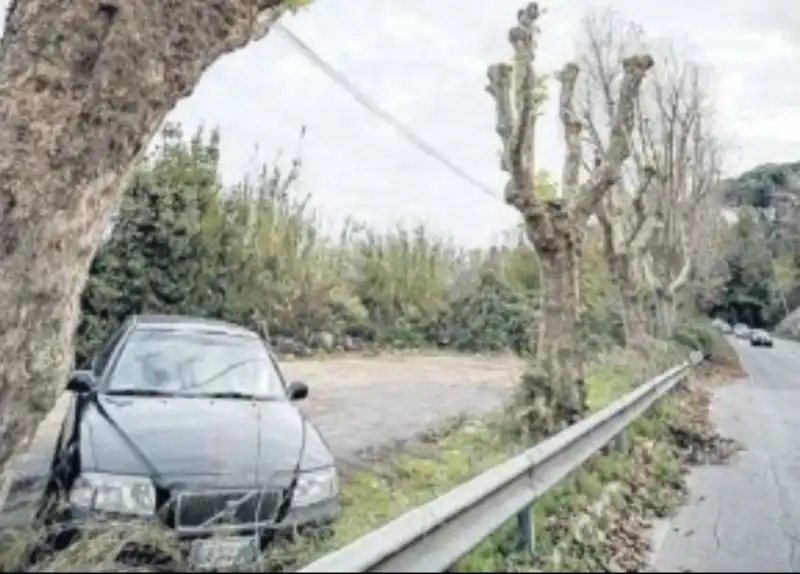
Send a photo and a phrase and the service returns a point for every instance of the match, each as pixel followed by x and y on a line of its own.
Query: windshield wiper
pixel 231 395
pixel 140 393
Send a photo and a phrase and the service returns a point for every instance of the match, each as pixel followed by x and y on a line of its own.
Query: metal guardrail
pixel 434 536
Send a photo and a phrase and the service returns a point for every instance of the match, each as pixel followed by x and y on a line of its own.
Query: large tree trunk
pixel 634 317
pixel 84 86
pixel 554 394
pixel 556 387
pixel 667 316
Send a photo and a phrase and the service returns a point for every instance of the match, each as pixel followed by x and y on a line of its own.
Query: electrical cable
pixel 342 81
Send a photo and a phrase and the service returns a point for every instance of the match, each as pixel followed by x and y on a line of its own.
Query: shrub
pixel 492 316
pixel 696 333
pixel 601 326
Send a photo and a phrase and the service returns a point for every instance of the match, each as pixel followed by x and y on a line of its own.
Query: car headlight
pixel 132 495
pixel 315 486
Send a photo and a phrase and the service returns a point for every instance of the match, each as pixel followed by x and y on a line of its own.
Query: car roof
pixel 190 324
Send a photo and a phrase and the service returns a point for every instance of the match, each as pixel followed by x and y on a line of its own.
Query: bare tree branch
pixel 516 116
pixel 649 273
pixel 682 277
pixel 644 225
pixel 608 173
pixel 685 152
pixel 572 131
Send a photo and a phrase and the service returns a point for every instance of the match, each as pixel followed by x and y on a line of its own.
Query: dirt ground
pixel 360 403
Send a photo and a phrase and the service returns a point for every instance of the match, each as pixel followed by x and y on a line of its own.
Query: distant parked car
pixel 760 338
pixel 190 422
pixel 741 331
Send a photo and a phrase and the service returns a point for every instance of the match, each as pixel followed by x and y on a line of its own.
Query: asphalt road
pixel 745 516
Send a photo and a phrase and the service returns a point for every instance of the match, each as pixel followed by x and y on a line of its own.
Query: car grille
pixel 212 510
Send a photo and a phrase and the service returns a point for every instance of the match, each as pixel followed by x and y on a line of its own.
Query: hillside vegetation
pixel 764 185
pixel 763 247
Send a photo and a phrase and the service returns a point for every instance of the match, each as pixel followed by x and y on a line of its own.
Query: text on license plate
pixel 223 552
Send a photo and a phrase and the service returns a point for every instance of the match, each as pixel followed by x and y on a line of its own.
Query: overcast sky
pixel 425 61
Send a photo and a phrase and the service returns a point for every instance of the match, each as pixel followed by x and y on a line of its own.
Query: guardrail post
pixel 526 527
pixel 621 442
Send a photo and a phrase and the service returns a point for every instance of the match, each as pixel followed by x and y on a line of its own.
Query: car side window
pixel 102 358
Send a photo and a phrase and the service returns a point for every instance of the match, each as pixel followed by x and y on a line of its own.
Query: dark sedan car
pixel 190 422
pixel 760 338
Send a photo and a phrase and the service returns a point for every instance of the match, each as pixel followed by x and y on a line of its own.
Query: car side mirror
pixel 297 391
pixel 81 382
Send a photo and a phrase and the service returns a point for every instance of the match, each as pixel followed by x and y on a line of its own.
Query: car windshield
pixel 187 363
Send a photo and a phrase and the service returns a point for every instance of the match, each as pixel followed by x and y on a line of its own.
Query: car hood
pixel 219 440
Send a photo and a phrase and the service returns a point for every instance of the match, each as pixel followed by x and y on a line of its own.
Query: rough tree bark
pixel 556 393
pixel 84 86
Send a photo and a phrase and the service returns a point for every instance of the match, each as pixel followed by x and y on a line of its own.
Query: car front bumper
pixel 153 544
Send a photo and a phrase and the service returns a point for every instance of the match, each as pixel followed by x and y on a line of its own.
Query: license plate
pixel 223 552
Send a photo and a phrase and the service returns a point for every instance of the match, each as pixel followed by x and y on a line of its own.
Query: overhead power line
pixel 372 106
